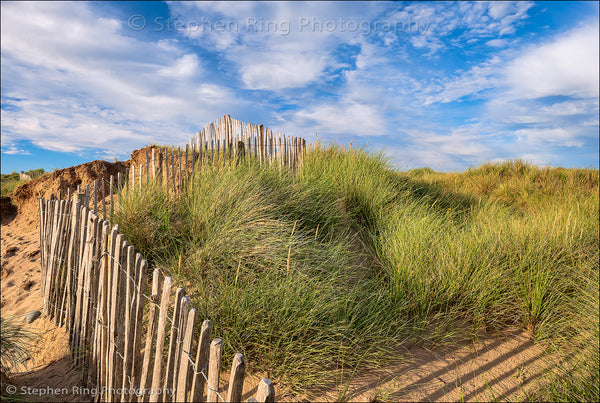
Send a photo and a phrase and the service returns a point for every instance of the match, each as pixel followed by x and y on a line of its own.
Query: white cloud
pixel 464 146
pixel 548 95
pixel 183 68
pixel 570 108
pixel 76 128
pixel 497 43
pixel 540 159
pixel 566 66
pixel 276 46
pixel 338 119
pixel 275 71
pixel 467 141
pixel 560 135
pixel 499 9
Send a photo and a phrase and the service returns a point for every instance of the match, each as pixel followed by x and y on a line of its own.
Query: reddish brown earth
pixel 504 366
pixel 26 195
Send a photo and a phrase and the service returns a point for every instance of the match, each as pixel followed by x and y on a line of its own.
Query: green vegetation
pixel 15 344
pixel 9 182
pixel 338 265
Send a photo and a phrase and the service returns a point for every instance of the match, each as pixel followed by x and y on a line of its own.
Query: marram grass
pixel 16 343
pixel 337 265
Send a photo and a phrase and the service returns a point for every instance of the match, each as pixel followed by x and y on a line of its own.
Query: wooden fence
pixel 262 143
pixel 226 140
pixel 132 339
pixel 133 343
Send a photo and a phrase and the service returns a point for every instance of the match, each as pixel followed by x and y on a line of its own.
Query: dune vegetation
pixel 9 182
pixel 342 262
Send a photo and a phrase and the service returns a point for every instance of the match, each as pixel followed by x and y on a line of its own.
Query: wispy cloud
pixel 11 150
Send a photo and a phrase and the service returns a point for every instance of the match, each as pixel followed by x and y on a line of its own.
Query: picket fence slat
pixel 112 203
pixel 128 333
pixel 80 287
pixel 103 200
pixel 173 359
pixel 236 379
pixel 93 298
pixel 87 284
pixel 266 391
pixel 55 258
pixel 87 195
pixel 160 339
pixel 214 370
pixel 179 155
pixel 51 261
pixel 183 378
pixel 153 164
pixel 175 330
pixel 152 321
pixel 141 274
pixel 147 167
pixel 102 313
pixel 202 356
pixel 166 181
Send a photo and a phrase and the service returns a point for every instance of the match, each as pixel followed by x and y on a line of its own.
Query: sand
pixel 50 365
pixel 504 368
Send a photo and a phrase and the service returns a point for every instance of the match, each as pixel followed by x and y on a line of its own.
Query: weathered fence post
pixel 179 155
pixel 241 153
pixel 153 164
pixel 174 339
pixel 202 356
pixel 183 379
pixel 173 170
pixel 214 370
pixel 261 144
pixel 96 196
pixel 87 195
pixel 141 267
pixel 132 172
pixel 160 339
pixel 266 391
pixel 112 202
pixel 186 159
pixel 236 379
pixel 152 319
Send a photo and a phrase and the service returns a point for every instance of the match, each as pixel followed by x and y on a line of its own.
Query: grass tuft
pixel 15 344
pixel 317 273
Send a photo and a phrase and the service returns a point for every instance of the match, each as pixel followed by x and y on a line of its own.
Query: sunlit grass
pixel 339 263
pixel 16 343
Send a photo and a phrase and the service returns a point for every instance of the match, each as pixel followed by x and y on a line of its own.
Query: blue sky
pixel 438 84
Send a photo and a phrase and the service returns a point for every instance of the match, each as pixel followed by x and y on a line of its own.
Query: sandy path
pixel 504 368
pixel 50 365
